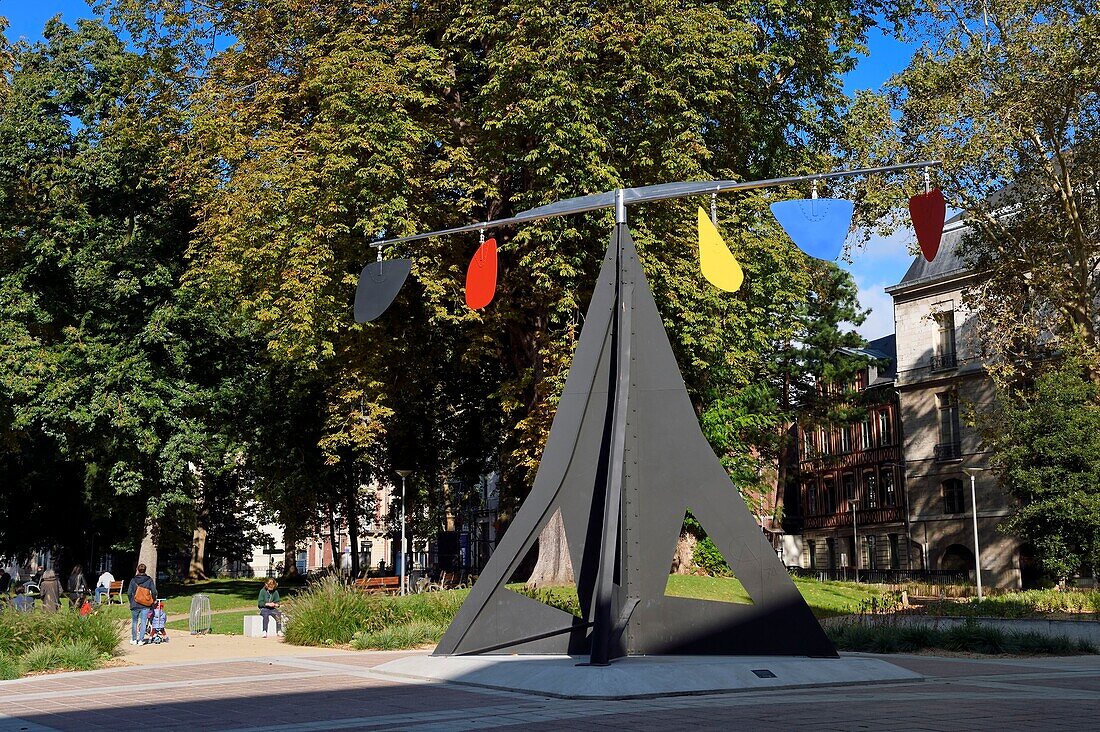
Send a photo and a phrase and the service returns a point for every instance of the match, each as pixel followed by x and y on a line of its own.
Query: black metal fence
pixel 888 576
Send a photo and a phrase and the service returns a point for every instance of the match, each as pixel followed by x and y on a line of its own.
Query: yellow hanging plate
pixel 719 265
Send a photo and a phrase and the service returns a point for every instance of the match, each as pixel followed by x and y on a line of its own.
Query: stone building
pixel 907 467
pixel 851 482
pixel 940 374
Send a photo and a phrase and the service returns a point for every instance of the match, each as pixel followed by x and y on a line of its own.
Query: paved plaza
pixel 341 691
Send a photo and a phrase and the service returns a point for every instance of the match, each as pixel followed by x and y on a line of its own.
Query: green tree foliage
pixel 1045 447
pixel 325 126
pixel 109 372
pixel 1013 110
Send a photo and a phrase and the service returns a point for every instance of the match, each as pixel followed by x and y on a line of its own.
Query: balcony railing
pixel 866 516
pixel 945 361
pixel 948 451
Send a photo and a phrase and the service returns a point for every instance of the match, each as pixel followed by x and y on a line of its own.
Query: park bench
pixel 383 585
pixel 115 590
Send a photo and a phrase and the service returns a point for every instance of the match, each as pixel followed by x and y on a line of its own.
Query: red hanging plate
pixel 928 212
pixel 481 276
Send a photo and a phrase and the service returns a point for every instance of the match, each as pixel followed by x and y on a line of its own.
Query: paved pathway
pixel 339 691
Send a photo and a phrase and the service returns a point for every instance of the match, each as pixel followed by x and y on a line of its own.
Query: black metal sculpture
pixel 624 461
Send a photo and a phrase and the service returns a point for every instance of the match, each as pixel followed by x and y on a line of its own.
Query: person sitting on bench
pixel 268 602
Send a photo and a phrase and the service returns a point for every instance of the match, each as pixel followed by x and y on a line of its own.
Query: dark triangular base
pixel 666 467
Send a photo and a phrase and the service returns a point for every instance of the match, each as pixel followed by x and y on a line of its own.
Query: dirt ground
pixel 184 647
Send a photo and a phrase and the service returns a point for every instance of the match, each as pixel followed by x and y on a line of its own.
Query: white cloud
pixel 881 263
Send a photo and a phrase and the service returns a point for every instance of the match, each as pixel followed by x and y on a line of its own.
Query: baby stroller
pixel 156 622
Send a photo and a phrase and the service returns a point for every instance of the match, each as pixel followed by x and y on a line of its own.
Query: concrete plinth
pixel 645 676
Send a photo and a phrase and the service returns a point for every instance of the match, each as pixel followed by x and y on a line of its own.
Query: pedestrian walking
pixel 50 587
pixel 142 593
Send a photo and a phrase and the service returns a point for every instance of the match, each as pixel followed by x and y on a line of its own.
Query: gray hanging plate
pixel 379 283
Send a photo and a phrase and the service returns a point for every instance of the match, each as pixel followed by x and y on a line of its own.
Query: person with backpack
pixel 142 593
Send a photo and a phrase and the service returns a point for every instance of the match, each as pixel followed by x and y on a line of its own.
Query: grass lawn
pixel 224 624
pixel 224 594
pixel 824 598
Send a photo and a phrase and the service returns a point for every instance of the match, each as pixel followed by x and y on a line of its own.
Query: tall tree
pixel 1012 107
pixel 326 126
pixel 1045 446
pixel 105 364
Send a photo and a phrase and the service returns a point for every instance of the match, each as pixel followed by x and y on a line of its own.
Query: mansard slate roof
pixel 946 264
pixel 887 348
pixel 880 349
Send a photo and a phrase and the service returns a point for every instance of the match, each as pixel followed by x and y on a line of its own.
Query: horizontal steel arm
pixel 645 194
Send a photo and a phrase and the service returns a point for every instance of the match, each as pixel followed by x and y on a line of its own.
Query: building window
pixel 885 428
pixel 872 556
pixel 870 489
pixel 812 549
pixel 830 545
pixel 811 498
pixel 808 443
pixel 848 486
pixel 953 496
pixel 944 357
pixel 949 447
pixel 828 496
pixel 826 443
pixel 895 556
pixel 889 492
pixel 845 439
pixel 865 434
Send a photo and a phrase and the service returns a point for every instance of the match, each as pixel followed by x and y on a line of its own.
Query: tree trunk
pixel 554 567
pixel 196 570
pixel 334 550
pixel 148 553
pixel 290 553
pixel 683 560
pixel 353 526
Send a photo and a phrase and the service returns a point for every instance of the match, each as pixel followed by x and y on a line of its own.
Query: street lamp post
pixel 855 536
pixel 404 555
pixel 972 472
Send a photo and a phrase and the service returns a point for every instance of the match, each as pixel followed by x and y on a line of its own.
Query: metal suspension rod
pixel 660 192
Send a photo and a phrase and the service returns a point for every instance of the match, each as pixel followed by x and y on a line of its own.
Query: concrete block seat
pixel 254 626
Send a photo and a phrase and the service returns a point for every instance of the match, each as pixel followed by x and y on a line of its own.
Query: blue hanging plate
pixel 817 226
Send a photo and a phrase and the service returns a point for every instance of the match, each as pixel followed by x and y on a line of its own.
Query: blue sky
pixel 881 263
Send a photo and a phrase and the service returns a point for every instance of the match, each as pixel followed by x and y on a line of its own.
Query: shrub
pixel 79 655
pixel 1028 603
pixel 708 557
pixel 19 632
pixel 328 612
pixel 407 635
pixel 9 668
pixel 331 613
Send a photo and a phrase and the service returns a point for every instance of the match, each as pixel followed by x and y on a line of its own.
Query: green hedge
pixel 969 637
